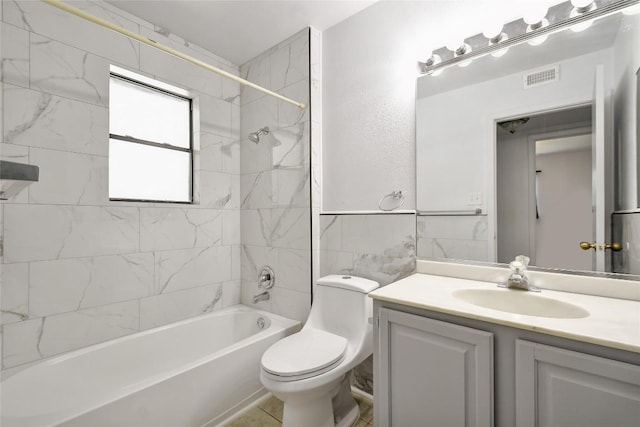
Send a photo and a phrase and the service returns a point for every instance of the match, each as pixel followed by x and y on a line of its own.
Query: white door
pixel 598 165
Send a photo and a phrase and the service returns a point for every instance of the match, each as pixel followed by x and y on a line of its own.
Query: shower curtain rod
pixel 171 51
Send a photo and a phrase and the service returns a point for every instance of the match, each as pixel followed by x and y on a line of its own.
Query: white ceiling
pixel 239 30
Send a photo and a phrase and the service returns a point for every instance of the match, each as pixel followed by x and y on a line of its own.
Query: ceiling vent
pixel 541 77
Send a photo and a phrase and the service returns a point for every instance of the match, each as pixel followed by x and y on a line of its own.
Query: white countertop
pixel 611 322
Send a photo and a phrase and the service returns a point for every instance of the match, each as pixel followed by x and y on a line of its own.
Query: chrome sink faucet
pixel 518 276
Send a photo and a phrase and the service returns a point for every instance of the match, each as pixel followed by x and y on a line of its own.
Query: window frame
pixel 190 149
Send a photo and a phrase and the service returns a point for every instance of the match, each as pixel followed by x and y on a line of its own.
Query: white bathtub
pixel 191 373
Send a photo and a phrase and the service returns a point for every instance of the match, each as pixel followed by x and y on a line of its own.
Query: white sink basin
pixel 520 302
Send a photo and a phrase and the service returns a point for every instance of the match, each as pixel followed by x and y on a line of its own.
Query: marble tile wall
pixel 78 269
pixel 275 183
pixel 454 237
pixel 380 247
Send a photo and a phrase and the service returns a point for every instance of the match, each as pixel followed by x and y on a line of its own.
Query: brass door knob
pixel 585 246
pixel 613 246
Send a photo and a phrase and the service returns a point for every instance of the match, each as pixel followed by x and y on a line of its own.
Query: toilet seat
pixel 305 354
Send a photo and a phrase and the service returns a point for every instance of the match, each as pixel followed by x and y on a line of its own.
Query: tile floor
pixel 269 414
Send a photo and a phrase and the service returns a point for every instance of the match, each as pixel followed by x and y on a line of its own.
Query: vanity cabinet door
pixel 556 387
pixel 432 373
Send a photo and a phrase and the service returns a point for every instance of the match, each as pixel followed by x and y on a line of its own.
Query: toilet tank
pixel 341 305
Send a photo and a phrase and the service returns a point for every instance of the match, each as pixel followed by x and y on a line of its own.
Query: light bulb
pixel 535 14
pixel 580 7
pixel 581 3
pixel 532 27
pixel 493 31
pixel 455 44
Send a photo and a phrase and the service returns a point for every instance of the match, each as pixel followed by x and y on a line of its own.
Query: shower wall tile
pixel 249 290
pixel 14 292
pixel 38 119
pixel 62 70
pixel 294 267
pixel 88 282
pixel 176 71
pixel 82 263
pixel 69 178
pixel 292 304
pixel 257 190
pixel 215 116
pixel 14 45
pixel 289 114
pixel 230 88
pixel 258 114
pixel 231 227
pixel 170 228
pixel 211 153
pixel 46 232
pixel 275 180
pixel 253 259
pixel 231 293
pixel 53 23
pixel 291 146
pixel 218 190
pixel 231 154
pixel 256 227
pixel 292 187
pixel 236 262
pixel 291 228
pixel 190 268
pixel 47 336
pixel 14 153
pixel 257 71
pixel 290 63
pixel 159 310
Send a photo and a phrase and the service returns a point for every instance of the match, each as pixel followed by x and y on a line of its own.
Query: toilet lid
pixel 308 351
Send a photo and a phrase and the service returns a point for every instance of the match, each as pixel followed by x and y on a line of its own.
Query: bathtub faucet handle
pixel 266 278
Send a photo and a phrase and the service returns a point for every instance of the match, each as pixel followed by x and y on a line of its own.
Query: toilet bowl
pixel 308 370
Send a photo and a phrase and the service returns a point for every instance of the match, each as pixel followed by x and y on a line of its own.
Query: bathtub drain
pixel 260 322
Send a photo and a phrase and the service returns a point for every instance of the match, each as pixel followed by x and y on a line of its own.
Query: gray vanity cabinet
pixel 432 373
pixel 557 387
pixel 435 369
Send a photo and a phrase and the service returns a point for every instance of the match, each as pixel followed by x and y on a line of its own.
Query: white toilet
pixel 308 370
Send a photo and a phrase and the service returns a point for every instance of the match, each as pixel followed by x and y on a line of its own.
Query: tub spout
pixel 264 296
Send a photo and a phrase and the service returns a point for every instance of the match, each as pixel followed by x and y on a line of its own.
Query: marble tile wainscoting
pixel 454 237
pixel 78 269
pixel 380 247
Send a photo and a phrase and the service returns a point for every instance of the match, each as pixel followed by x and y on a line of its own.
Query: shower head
pixel 255 136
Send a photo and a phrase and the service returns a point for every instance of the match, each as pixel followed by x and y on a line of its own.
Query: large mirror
pixel 535 152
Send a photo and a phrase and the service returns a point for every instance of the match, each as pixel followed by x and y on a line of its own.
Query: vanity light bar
pixel 480 46
pixel 150 42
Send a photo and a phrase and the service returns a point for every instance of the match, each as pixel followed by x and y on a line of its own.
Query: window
pixel 150 142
